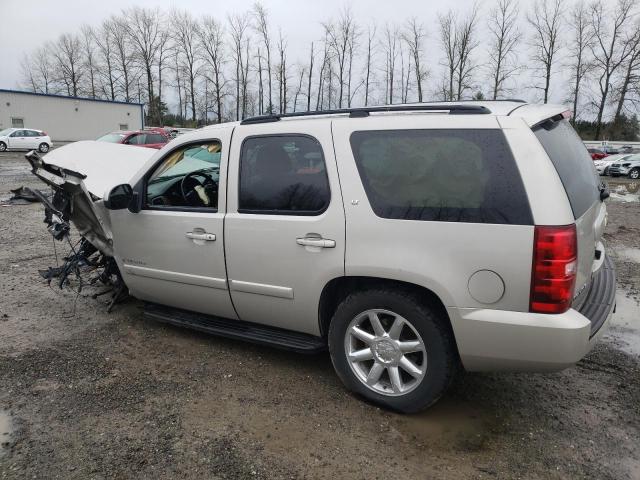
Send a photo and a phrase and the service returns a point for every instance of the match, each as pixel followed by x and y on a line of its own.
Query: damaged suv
pixel 410 240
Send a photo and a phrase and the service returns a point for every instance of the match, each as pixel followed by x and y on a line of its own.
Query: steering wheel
pixel 188 186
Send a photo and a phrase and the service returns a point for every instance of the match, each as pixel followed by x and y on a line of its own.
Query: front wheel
pixel 3 146
pixel 605 171
pixel 634 174
pixel 43 148
pixel 392 349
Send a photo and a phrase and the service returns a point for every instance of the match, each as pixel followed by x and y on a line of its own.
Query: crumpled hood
pixel 105 165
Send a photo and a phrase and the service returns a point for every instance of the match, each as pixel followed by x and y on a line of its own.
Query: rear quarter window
pixel 572 162
pixel 450 175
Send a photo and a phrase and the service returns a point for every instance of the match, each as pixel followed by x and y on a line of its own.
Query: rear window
pixel 573 164
pixel 441 175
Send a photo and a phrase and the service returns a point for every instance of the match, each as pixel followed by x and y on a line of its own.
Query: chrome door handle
pixel 316 242
pixel 207 237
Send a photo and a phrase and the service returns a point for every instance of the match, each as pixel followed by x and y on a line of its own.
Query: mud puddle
pixel 447 423
pixel 624 192
pixel 6 429
pixel 629 254
pixel 624 330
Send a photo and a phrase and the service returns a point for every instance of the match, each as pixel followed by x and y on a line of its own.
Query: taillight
pixel 553 276
pixel 43 134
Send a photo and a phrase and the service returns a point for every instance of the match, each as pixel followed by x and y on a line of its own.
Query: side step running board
pixel 250 332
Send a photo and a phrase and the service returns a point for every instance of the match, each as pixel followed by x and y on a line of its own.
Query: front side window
pixel 283 175
pixel 186 178
pixel 18 133
pixel 447 175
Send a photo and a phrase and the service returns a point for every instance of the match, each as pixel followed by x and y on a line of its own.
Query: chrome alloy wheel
pixel 385 352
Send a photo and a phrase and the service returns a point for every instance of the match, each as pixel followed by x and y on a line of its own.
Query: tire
pixel 43 147
pixel 605 172
pixel 634 174
pixel 3 147
pixel 421 325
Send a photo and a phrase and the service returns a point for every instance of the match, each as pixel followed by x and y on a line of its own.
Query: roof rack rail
pixel 360 112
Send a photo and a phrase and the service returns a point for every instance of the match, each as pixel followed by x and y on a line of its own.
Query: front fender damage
pixel 90 261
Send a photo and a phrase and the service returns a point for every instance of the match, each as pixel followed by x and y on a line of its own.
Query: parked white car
pixel 24 139
pixel 409 240
pixel 602 166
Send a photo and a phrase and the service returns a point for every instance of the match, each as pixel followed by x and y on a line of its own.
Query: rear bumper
pixel 491 340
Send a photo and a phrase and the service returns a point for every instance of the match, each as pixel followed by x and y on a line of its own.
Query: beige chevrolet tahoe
pixel 410 240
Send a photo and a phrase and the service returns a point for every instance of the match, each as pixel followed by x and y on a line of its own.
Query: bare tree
pixel 609 50
pixel 185 30
pixel 144 28
pixel 282 74
pixel 88 45
pixel 123 55
pixel 414 35
pixel 505 36
pixel 261 25
pixel 102 37
pixel 301 73
pixel 390 47
pixel 371 35
pixel 449 41
pixel 211 35
pixel 28 73
pixel 631 70
pixel 239 24
pixel 466 44
pixel 68 55
pixel 309 77
pixel 546 19
pixel 580 43
pixel 321 77
pixel 341 38
pixel 164 52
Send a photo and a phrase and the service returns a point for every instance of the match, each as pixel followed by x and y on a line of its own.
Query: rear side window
pixel 283 175
pixel 573 164
pixel 441 175
pixel 155 138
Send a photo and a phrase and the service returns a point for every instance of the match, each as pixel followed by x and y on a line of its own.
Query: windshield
pixel 5 132
pixel 112 138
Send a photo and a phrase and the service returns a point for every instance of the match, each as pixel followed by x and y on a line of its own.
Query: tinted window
pixel 283 175
pixel 155 138
pixel 573 163
pixel 187 177
pixel 18 133
pixel 137 139
pixel 441 175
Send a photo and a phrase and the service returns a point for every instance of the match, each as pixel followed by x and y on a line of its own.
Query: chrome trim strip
pixel 186 278
pixel 261 289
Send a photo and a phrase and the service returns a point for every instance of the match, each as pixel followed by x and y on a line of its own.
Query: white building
pixel 67 118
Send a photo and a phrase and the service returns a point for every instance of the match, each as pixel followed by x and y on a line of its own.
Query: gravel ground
pixel 86 394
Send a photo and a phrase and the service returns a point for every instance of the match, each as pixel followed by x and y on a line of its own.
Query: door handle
pixel 207 237
pixel 316 242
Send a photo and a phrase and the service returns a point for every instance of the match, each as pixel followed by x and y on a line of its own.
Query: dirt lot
pixel 86 394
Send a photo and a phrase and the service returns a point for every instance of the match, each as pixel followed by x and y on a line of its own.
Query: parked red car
pixel 596 154
pixel 156 138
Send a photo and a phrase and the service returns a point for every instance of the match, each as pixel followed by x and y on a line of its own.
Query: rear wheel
pixel 634 173
pixel 3 146
pixel 392 349
pixel 43 148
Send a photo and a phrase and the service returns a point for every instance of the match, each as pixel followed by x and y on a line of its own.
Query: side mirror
pixel 120 197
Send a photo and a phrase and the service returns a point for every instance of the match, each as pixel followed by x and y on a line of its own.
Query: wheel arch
pixel 338 288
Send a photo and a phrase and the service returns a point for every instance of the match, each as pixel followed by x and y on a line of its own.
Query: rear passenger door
pixel 284 228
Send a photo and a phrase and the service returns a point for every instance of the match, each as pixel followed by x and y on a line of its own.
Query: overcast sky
pixel 25 26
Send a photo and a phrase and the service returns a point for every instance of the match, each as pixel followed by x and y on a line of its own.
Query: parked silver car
pixel 24 139
pixel 409 240
pixel 629 166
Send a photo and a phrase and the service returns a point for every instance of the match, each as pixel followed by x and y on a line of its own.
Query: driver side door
pixel 171 252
